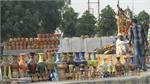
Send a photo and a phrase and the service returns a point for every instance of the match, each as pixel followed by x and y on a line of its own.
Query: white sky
pixel 81 5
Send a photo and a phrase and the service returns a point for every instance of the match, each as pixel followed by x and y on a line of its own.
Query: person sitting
pixel 121 45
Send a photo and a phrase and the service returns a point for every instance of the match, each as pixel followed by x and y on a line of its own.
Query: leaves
pixel 143 16
pixel 27 18
pixel 107 24
pixel 86 24
pixel 69 22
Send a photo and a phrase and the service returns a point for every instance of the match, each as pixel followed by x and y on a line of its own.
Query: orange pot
pixel 22 65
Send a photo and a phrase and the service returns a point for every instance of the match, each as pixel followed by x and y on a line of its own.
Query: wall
pixel 87 44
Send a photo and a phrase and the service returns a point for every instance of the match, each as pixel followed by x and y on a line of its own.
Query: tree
pixel 28 18
pixel 86 24
pixel 107 24
pixel 69 22
pixel 143 18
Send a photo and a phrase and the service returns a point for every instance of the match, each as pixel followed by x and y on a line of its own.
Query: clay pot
pixel 52 41
pixel 9 47
pixel 41 66
pixel 17 47
pixel 62 66
pixel 15 67
pixel 5 47
pixel 18 39
pixel 15 39
pixel 49 41
pixel 32 64
pixel 5 67
pixel 50 35
pixel 26 39
pixel 148 59
pixel 126 65
pixel 39 35
pixel 47 35
pixel 50 61
pixel 21 43
pixel 22 39
pixel 22 65
pixel 16 43
pixel 21 47
pixel 11 40
pixel 31 39
pixel 119 67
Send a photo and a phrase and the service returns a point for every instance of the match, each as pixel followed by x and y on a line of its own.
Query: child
pixel 121 45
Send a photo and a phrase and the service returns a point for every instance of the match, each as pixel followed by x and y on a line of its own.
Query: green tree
pixel 143 18
pixel 27 18
pixel 107 24
pixel 86 24
pixel 69 22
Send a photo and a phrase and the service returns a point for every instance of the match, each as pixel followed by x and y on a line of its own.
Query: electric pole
pixel 98 7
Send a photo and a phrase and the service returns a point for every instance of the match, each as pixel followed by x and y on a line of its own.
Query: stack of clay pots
pixel 43 41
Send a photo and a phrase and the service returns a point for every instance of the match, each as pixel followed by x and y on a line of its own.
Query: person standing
pixel 137 39
pixel 148 36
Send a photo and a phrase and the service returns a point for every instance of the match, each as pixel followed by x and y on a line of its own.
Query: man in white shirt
pixel 121 45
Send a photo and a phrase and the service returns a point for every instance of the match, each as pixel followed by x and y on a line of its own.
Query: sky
pixel 135 5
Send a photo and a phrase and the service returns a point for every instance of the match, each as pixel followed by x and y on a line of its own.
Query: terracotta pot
pixel 9 47
pixel 22 39
pixel 52 41
pixel 37 46
pixel 15 39
pixel 47 35
pixel 15 67
pixel 50 35
pixel 21 47
pixel 26 39
pixel 59 35
pixel 50 61
pixel 57 42
pixel 22 65
pixel 119 67
pixel 18 39
pixel 16 43
pixel 5 47
pixel 32 64
pixel 5 68
pixel 49 41
pixel 25 45
pixel 31 39
pixel 21 43
pixel 126 65
pixel 62 66
pixel 39 35
pixel 13 47
pixel 17 47
pixel 41 64
pixel 11 40
pixel 28 47
pixel 148 59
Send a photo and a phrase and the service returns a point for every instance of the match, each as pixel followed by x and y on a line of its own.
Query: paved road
pixel 143 78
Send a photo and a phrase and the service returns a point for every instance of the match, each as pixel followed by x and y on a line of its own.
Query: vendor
pixel 148 34
pixel 121 45
pixel 138 40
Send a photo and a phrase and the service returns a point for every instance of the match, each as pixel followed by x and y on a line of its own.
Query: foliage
pixel 107 24
pixel 142 18
pixel 27 18
pixel 86 24
pixel 69 22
